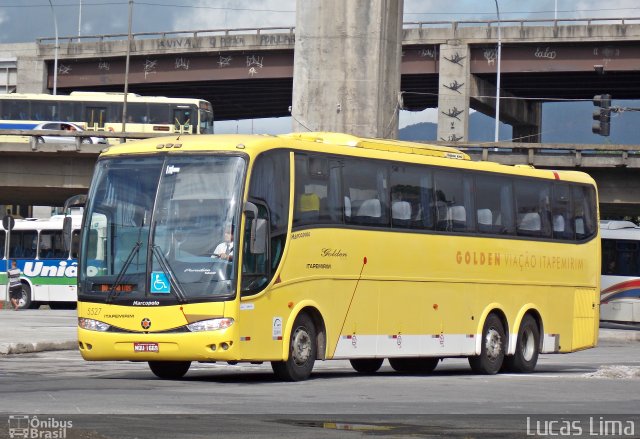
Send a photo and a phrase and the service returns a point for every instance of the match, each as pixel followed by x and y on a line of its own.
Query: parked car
pixel 64 126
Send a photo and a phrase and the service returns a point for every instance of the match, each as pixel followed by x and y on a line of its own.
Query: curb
pixel 27 348
pixel 620 336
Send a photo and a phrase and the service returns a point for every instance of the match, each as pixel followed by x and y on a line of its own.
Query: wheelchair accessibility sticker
pixel 159 282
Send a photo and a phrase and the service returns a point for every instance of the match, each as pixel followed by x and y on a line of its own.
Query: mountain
pixel 566 122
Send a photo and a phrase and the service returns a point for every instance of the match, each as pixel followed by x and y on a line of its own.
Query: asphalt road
pixel 124 399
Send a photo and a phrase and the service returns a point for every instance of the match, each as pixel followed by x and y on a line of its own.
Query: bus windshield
pixel 162 228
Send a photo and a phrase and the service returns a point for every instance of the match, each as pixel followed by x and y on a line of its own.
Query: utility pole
pixel 126 70
pixel 55 56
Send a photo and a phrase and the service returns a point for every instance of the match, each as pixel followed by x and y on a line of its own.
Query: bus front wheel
pixel 303 351
pixel 366 365
pixel 492 349
pixel 527 348
pixel 169 370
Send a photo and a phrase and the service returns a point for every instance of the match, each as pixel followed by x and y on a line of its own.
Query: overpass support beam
pixel 347 66
pixel 523 115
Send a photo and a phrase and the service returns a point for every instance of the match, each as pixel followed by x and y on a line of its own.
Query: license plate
pixel 146 347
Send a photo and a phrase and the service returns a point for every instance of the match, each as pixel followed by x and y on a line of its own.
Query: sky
pixel 26 20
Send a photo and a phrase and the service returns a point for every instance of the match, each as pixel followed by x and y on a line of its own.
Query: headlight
pixel 210 325
pixel 93 325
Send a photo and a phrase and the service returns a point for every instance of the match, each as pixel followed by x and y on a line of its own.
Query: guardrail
pixel 291 29
pixel 77 135
pixel 189 33
pixel 553 154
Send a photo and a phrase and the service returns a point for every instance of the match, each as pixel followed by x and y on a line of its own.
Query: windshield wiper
pixel 164 264
pixel 112 292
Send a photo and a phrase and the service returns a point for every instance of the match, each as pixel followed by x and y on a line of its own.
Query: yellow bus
pixel 318 246
pixel 102 111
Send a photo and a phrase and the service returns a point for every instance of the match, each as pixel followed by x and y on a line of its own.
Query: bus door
pixel 95 118
pixel 183 120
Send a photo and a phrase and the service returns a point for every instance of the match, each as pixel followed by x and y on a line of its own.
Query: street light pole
pixel 55 56
pixel 79 20
pixel 499 56
pixel 126 70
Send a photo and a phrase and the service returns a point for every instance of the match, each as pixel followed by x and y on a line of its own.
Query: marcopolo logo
pixel 42 269
pixel 23 426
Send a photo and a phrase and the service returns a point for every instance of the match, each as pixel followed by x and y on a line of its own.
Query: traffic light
pixel 602 115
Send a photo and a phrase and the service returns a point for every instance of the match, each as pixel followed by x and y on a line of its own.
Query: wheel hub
pixel 301 346
pixel 528 347
pixel 493 344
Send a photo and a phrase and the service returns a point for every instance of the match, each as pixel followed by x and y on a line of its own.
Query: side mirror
pixel 258 244
pixel 76 200
pixel 259 229
pixel 66 233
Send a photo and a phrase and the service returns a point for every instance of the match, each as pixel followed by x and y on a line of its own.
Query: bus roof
pixel 339 144
pixel 613 229
pixel 99 96
pixel 379 144
pixel 53 223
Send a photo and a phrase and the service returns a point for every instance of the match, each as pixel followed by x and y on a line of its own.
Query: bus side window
pixel 584 217
pixel 366 184
pixel 411 193
pixel 533 208
pixel 561 211
pixel 317 191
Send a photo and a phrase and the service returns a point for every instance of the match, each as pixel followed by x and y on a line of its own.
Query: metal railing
pixel 291 29
pixel 9 137
pixel 171 34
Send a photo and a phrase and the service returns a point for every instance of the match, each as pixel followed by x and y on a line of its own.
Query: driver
pixel 224 250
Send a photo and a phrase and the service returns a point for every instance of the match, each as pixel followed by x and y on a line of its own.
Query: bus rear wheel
pixel 303 351
pixel 366 365
pixel 492 349
pixel 169 370
pixel 527 348
pixel 414 365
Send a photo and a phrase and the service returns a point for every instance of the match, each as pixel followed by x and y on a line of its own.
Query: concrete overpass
pixel 248 73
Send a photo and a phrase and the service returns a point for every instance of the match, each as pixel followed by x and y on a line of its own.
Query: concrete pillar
pixel 529 131
pixel 347 66
pixel 29 71
pixel 523 115
pixel 32 75
pixel 453 92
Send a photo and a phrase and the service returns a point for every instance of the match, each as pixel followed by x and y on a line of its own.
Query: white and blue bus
pixel 620 297
pixel 48 267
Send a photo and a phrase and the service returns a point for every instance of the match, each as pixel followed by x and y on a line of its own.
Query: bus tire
pixel 492 349
pixel 25 300
pixel 366 365
pixel 414 365
pixel 303 350
pixel 169 370
pixel 527 348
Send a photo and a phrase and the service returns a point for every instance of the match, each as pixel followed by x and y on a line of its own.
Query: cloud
pixel 228 14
